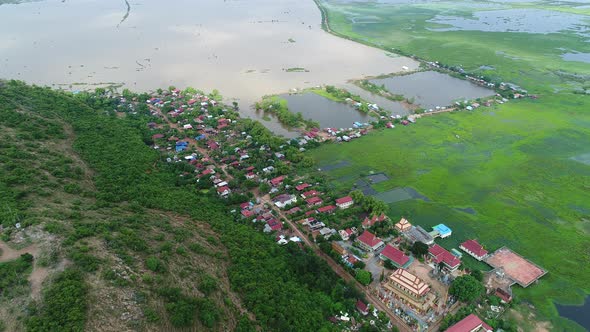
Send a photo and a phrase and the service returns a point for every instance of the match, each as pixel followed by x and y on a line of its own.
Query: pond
pixel 244 49
pixel 327 112
pixel 577 313
pixel 430 89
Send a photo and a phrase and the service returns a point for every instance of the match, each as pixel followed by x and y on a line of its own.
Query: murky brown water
pixel 242 48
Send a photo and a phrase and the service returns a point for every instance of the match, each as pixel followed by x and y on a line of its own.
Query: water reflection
pixel 430 89
pixel 242 48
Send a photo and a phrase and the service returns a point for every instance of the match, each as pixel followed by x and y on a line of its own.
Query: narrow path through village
pixel 339 270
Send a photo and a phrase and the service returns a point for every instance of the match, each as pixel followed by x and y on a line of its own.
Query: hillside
pixel 119 243
pixel 135 262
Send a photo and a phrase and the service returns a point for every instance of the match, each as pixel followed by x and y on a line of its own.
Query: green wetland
pixel 522 167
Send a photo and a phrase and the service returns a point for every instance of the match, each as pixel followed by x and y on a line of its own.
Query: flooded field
pixel 245 49
pixel 516 20
pixel 580 57
pixel 327 112
pixel 430 89
pixel 578 314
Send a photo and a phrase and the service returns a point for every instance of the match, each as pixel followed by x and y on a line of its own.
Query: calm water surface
pixel 517 20
pixel 579 314
pixel 241 47
pixel 430 89
pixel 579 57
pixel 327 112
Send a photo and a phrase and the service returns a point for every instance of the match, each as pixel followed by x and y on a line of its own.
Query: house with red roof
pixel 362 307
pixel 369 242
pixel 350 260
pixel 250 176
pixel 344 202
pixel 223 191
pixel 474 249
pixel 439 254
pixel 208 171
pixel 346 233
pixel 273 225
pixel 302 186
pixel 327 209
pixel 247 213
pixel 395 256
pixel 309 194
pixel 293 210
pixel 505 296
pixel 368 222
pixel 471 323
pixel 212 145
pixel 277 181
pixel 313 201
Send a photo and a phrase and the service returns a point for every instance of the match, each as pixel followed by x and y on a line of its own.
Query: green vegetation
pixel 363 276
pixel 419 249
pixel 132 227
pixel 512 173
pixel 13 276
pixel 64 306
pixel 515 174
pixel 466 288
pixel 379 90
pixel 527 59
pixel 278 106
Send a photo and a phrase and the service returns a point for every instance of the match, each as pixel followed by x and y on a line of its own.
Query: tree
pixel 419 249
pixel 477 274
pixel 363 276
pixel 357 196
pixel 389 265
pixel 359 265
pixel 264 188
pixel 466 288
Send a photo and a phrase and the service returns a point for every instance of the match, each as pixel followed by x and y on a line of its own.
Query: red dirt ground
pixel 515 266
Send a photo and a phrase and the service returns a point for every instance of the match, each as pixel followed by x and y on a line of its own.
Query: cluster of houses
pixel 345 134
pixel 195 129
pixel 402 286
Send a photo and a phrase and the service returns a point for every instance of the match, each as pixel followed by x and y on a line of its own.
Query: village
pixel 406 276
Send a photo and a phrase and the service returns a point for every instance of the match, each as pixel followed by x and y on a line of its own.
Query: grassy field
pixel 521 169
pixel 511 164
pixel 530 60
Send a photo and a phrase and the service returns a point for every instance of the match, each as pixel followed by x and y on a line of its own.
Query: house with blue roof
pixel 441 230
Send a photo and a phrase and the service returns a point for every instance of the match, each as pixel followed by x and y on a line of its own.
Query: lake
pixel 430 88
pixel 578 313
pixel 242 48
pixel 327 112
